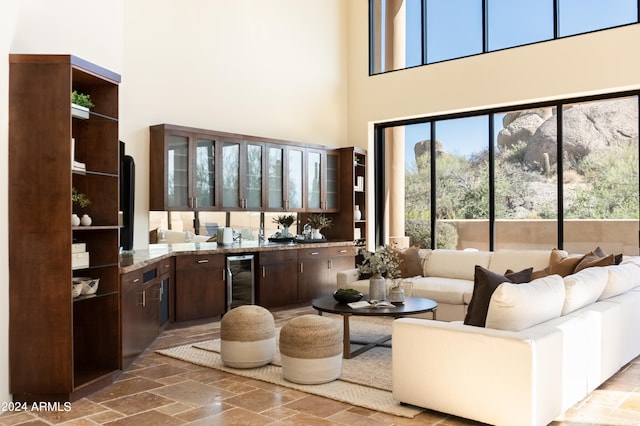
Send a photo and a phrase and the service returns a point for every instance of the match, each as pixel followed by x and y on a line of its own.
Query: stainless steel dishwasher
pixel 240 280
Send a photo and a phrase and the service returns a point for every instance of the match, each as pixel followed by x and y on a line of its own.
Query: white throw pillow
pixel 515 307
pixel 622 278
pixel 583 288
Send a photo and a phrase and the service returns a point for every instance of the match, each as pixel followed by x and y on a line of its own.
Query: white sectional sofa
pixel 447 276
pixel 546 345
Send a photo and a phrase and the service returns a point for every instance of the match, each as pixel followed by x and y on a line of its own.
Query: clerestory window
pixel 409 33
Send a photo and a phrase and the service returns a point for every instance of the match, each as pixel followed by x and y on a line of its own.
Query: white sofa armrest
pixel 493 376
pixel 347 276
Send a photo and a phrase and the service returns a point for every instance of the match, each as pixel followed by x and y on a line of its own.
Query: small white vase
pixel 357 214
pixel 75 220
pixel 377 288
pixel 85 220
pixel 315 234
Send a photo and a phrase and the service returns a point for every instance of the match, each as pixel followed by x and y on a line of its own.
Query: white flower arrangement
pixel 382 261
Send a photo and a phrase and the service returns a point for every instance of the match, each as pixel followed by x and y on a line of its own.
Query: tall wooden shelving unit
pixel 61 348
pixel 352 169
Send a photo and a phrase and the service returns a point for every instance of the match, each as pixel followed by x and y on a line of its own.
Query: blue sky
pixel 456 30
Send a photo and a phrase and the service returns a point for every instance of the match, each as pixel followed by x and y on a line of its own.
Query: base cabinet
pixel 144 301
pixel 200 286
pixel 276 286
pixel 318 268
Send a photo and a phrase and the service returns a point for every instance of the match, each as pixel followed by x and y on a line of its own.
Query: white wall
pixel 269 68
pixel 42 26
pixel 275 69
pixel 600 62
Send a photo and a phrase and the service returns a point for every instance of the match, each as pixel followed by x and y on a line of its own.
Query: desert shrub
pixel 419 233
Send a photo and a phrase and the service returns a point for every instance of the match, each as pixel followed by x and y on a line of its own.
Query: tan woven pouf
pixel 311 350
pixel 247 337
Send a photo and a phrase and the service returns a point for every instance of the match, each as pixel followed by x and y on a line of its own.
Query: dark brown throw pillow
pixel 593 259
pixel 410 262
pixel 485 283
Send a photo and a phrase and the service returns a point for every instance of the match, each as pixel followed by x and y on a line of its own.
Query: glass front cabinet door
pixel 182 169
pixel 322 181
pixel 242 169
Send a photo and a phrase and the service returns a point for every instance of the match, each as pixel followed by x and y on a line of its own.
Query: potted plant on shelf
pixel 285 220
pixel 80 104
pixel 381 262
pixel 83 201
pixel 317 222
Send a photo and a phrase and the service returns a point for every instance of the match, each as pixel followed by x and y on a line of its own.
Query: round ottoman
pixel 247 337
pixel 311 350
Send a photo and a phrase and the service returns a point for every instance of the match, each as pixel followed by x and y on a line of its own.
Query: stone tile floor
pixel 157 390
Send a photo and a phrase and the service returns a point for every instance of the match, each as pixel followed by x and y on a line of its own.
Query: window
pixel 453 29
pixel 507 28
pixel 494 180
pixel 408 33
pixel 581 16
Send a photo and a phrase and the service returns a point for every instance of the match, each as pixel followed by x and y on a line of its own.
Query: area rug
pixel 365 380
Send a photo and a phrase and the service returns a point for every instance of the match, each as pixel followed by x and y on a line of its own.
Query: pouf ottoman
pixel 247 337
pixel 311 350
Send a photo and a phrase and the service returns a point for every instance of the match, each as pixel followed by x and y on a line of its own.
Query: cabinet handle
pixel 264 272
pixel 313 253
pixel 136 280
pixel 342 251
pixel 223 275
pixel 301 268
pixel 203 260
pixel 144 298
pixel 330 264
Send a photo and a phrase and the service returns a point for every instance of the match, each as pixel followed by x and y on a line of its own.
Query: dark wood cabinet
pixel 182 169
pixel 199 286
pixel 276 285
pixel 318 267
pixel 61 348
pixel 144 306
pixel 350 224
pixel 198 169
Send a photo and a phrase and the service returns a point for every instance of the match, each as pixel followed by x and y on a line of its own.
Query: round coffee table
pixel 411 305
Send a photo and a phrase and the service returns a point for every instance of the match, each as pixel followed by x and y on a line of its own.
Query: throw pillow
pixel 561 263
pixel 541 273
pixel 484 284
pixel 594 258
pixel 515 307
pixel 410 261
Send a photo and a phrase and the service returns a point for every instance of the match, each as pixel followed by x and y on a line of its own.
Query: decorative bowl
pixel 89 285
pixel 76 289
pixel 347 295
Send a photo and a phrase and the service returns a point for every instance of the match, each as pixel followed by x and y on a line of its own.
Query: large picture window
pixel 408 33
pixel 551 175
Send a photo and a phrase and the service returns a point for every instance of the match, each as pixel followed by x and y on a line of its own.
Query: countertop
pixel 136 259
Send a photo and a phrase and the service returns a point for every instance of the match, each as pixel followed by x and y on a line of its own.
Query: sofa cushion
pixel 458 264
pixel 516 260
pixel 443 290
pixel 621 278
pixel 515 307
pixel 561 263
pixel 583 288
pixel 410 261
pixel 484 284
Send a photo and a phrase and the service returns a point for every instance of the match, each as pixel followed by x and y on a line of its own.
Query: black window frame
pixel 380 214
pixel 556 36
